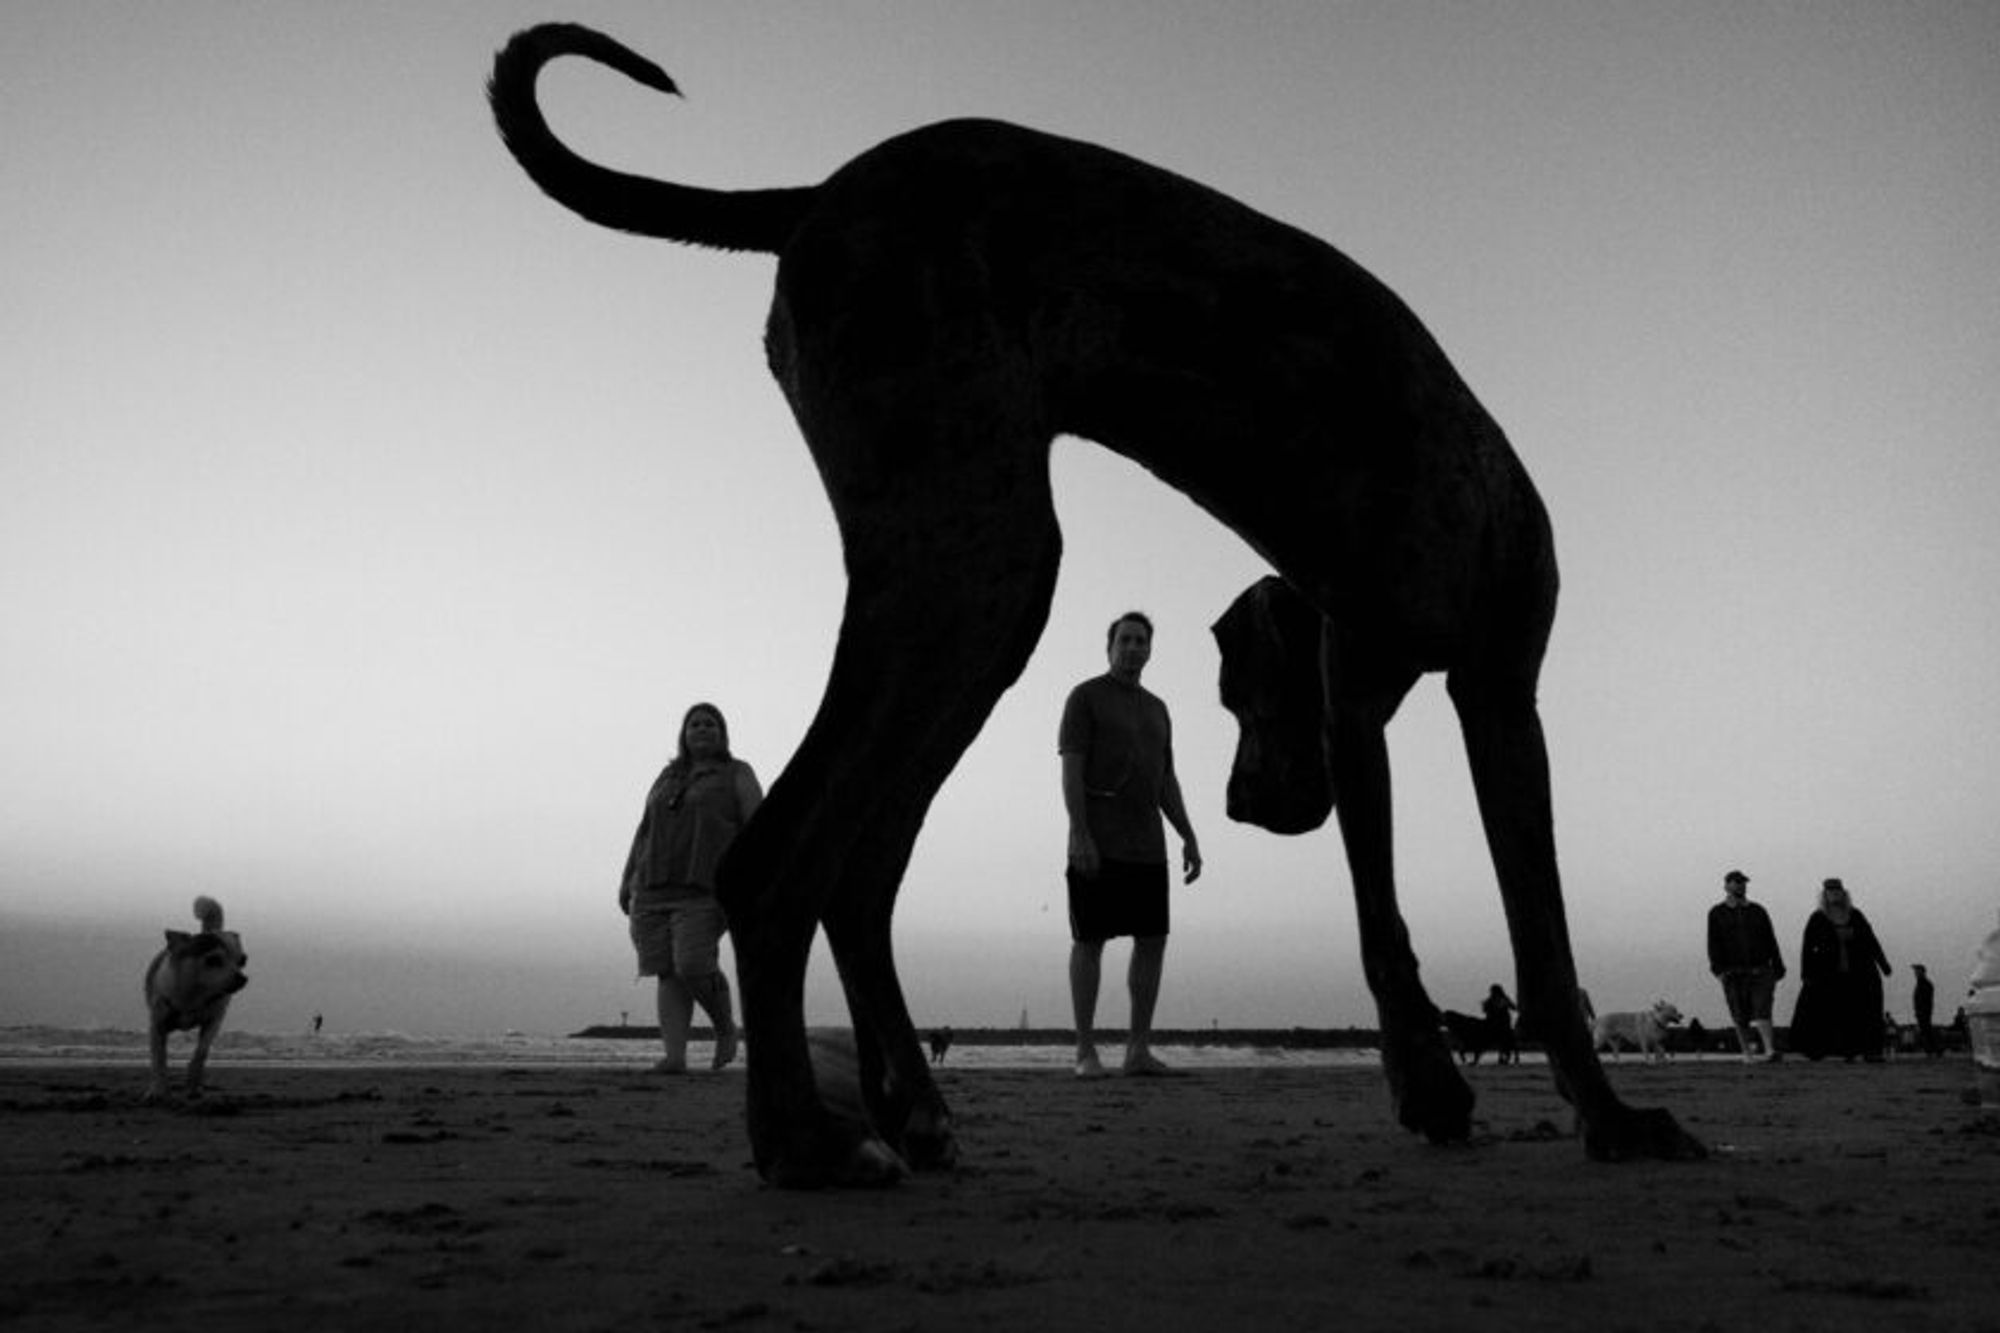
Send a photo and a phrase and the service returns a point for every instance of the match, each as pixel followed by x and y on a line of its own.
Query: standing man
pixel 1743 955
pixel 1118 778
pixel 1923 999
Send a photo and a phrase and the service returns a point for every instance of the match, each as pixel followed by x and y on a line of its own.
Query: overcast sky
pixel 367 521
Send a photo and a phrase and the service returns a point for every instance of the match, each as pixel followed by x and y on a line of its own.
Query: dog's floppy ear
pixel 1270 643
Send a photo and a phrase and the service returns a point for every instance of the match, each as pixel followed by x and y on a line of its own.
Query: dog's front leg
pixel 198 1062
pixel 1431 1096
pixel 1510 776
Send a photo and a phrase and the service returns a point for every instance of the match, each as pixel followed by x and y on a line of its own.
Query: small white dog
pixel 1645 1030
pixel 189 985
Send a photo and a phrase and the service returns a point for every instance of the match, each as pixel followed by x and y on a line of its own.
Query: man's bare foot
pixel 666 1064
pixel 1088 1065
pixel 1144 1064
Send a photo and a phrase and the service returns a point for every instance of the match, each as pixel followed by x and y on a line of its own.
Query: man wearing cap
pixel 1743 955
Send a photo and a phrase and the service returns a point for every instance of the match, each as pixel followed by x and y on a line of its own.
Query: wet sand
pixel 1837 1197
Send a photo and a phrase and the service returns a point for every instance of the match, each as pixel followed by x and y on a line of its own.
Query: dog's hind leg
pixel 1430 1095
pixel 772 922
pixel 898 1089
pixel 951 545
pixel 904 1105
pixel 1510 775
pixel 981 625
pixel 1002 595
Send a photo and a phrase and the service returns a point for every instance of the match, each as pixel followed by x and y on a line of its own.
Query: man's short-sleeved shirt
pixel 1126 740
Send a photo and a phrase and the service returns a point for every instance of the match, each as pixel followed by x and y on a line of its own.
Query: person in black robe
pixel 1841 966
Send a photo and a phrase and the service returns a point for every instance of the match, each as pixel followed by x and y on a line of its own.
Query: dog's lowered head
pixel 216 955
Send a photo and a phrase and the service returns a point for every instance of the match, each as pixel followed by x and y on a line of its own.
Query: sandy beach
pixel 1837 1197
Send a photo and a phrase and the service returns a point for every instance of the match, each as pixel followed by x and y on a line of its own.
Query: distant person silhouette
pixel 1923 1002
pixel 317 1020
pixel 693 812
pixel 1116 742
pixel 940 1045
pixel 1841 966
pixel 1743 955
pixel 1499 1010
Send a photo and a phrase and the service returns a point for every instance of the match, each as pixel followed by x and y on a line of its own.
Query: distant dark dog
pixel 189 985
pixel 940 1045
pixel 1472 1036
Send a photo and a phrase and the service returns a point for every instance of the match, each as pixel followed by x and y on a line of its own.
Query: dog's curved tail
pixel 758 220
pixel 209 913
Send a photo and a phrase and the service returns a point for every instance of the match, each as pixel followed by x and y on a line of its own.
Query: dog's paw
pixel 1642 1133
pixel 833 1149
pixel 1442 1114
pixel 867 1163
pixel 1430 1095
pixel 870 1164
pixel 928 1142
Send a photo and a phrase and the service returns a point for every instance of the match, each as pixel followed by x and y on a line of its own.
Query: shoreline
pixel 1678 1040
pixel 1296 1038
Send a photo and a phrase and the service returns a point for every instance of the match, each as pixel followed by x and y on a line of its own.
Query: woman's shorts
pixel 676 930
pixel 1122 898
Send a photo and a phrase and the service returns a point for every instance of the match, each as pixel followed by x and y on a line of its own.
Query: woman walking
pixel 697 805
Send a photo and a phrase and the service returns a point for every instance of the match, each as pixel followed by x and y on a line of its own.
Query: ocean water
pixel 119 1046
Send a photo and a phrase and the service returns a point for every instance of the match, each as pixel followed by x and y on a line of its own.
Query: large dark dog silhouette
pixel 949 302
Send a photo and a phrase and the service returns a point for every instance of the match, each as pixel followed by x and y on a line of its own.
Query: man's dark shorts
pixel 1122 898
pixel 1749 994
